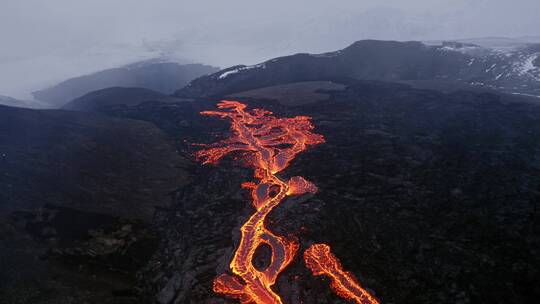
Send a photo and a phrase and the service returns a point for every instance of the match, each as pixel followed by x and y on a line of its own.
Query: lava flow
pixel 269 144
pixel 321 261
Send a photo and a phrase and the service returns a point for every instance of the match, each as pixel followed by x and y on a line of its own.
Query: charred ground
pixel 426 197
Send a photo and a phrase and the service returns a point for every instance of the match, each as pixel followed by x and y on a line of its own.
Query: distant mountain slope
pixel 164 77
pixel 12 102
pixel 496 42
pixel 94 101
pixel 9 101
pixel 84 161
pixel 293 94
pixel 512 70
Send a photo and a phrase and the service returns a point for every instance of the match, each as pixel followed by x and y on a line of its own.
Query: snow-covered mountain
pixel 513 69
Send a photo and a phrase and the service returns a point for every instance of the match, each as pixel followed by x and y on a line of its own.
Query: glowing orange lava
pixel 321 261
pixel 269 144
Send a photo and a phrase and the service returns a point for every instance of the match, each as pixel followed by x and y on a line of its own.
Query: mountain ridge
pixel 511 71
pixel 164 77
pixel 116 96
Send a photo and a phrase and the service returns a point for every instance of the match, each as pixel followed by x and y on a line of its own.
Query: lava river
pixel 269 144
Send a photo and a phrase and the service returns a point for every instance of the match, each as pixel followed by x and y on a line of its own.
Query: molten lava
pixel 321 261
pixel 269 144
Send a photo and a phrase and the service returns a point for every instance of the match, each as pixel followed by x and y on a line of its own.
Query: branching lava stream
pixel 321 261
pixel 269 144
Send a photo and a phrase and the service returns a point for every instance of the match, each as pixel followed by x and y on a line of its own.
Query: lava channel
pixel 321 261
pixel 269 144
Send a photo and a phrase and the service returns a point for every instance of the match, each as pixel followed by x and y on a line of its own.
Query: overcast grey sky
pixel 45 41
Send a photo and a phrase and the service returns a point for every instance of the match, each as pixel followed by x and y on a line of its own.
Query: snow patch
pixel 224 75
pixel 326 55
pixel 527 65
pixel 244 68
pixel 524 67
pixel 491 67
pixel 463 49
pixel 524 94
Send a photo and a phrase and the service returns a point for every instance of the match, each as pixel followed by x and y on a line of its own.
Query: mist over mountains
pixel 45 44
pixel 507 65
pixel 163 77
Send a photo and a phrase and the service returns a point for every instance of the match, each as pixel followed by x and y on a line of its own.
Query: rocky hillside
pixel 116 96
pixel 78 192
pixel 164 77
pixel 512 70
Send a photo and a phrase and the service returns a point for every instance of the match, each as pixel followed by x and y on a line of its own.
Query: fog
pixel 46 41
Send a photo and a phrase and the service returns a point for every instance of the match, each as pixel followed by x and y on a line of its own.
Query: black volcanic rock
pixel 116 96
pixel 293 93
pixel 466 64
pixel 85 161
pixel 78 192
pixel 164 77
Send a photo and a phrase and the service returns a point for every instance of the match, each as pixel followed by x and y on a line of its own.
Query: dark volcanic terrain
pixel 78 195
pixel 116 96
pixel 427 196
